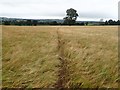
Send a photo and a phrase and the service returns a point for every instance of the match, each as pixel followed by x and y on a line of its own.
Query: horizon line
pixel 82 19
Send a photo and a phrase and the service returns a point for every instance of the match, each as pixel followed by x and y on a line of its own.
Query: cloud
pixel 57 8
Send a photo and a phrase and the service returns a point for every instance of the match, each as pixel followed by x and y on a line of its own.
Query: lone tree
pixel 71 16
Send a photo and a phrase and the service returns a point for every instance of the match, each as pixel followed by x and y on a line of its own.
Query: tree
pixel 7 22
pixel 34 22
pixel 110 22
pixel 29 22
pixel 106 22
pixel 71 16
pixel 118 22
pixel 54 23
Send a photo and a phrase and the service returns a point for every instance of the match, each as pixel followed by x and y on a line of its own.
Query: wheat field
pixel 60 56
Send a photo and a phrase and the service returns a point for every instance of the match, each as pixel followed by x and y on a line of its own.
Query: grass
pixel 1 57
pixel 54 56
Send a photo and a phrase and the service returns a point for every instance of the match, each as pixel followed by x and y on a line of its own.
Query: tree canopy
pixel 71 16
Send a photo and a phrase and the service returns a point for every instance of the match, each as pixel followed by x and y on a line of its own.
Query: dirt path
pixel 63 71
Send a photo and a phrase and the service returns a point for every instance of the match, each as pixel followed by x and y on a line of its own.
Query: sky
pixel 56 9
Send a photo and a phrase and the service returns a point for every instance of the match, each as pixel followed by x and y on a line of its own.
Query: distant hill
pixel 21 21
pixel 40 20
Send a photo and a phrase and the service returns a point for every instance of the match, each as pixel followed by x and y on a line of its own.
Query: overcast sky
pixel 56 9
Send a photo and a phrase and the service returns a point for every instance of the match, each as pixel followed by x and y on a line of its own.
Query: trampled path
pixel 63 70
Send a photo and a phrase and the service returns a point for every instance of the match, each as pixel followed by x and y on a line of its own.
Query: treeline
pixel 21 22
pixel 111 22
pixel 36 22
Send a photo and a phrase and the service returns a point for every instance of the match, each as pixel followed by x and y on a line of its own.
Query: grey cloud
pixel 94 15
pixel 49 8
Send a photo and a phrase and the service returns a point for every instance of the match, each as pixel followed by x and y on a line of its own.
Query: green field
pixel 60 56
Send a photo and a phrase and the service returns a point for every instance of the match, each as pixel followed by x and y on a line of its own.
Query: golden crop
pixel 60 56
